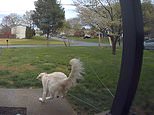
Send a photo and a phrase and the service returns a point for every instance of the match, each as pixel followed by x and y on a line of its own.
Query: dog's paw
pixel 48 98
pixel 41 100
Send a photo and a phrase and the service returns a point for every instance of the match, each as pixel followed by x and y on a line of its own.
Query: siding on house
pixel 19 31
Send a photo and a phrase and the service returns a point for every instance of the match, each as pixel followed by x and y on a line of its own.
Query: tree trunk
pixel 47 38
pixel 99 40
pixel 113 48
pixel 114 42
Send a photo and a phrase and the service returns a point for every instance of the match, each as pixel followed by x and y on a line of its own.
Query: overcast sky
pixel 21 6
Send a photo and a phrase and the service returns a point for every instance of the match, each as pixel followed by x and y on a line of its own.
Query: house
pixel 19 31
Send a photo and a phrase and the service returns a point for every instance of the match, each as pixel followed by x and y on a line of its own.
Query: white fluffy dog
pixel 57 83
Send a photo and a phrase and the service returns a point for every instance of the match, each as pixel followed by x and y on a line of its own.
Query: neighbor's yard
pixel 19 68
pixel 28 42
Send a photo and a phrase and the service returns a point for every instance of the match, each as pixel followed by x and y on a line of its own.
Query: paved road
pixel 73 43
pixel 80 43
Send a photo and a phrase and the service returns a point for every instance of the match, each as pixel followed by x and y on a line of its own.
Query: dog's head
pixel 39 77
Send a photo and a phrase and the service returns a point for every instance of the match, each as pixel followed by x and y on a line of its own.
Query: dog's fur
pixel 57 83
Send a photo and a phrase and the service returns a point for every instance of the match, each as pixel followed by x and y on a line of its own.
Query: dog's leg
pixel 50 96
pixel 45 90
pixel 43 97
pixel 63 94
pixel 56 94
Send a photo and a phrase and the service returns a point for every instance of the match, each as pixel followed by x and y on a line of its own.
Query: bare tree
pixel 11 20
pixel 103 15
pixel 27 18
pixel 75 23
pixel 8 22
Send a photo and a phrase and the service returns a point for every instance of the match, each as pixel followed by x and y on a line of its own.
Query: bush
pixel 29 32
pixel 38 37
pixel 79 33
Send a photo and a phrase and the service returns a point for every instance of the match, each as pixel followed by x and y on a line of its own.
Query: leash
pixel 84 102
pixel 102 82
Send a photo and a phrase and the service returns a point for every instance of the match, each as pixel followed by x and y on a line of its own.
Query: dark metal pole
pixel 131 57
pixel 7 43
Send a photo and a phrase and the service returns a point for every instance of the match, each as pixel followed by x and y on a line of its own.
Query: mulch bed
pixel 13 111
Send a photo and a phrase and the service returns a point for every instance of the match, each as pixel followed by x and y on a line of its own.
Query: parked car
pixel 86 36
pixel 149 44
pixel 61 37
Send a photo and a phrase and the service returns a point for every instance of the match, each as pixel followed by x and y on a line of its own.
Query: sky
pixel 21 6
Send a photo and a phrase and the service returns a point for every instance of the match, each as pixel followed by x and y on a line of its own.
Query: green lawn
pixel 20 66
pixel 28 42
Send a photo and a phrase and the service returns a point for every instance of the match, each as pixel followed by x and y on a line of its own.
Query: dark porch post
pixel 131 57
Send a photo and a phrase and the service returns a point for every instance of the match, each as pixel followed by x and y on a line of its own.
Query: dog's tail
pixel 77 70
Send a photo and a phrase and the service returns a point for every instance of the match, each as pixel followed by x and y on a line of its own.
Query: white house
pixel 19 31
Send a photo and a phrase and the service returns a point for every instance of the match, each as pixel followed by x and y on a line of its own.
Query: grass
pixel 145 93
pixel 19 70
pixel 28 42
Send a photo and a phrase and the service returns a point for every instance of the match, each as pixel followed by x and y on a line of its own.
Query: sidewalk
pixel 28 98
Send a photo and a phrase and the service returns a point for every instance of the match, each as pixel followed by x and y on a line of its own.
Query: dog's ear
pixel 41 75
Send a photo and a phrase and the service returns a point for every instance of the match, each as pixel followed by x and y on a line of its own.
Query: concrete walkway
pixel 28 98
